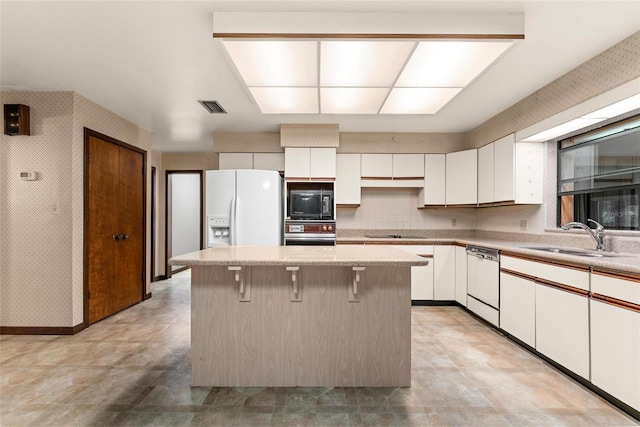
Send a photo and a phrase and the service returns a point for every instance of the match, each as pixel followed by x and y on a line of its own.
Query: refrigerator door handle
pixel 232 222
pixel 236 215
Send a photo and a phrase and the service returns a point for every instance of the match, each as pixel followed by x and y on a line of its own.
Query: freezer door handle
pixel 232 222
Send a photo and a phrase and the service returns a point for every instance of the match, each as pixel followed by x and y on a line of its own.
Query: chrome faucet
pixel 597 235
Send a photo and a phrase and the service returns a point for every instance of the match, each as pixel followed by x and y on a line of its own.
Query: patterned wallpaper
pixel 381 142
pixel 613 67
pixel 36 245
pixel 309 135
pixel 247 142
pixel 41 252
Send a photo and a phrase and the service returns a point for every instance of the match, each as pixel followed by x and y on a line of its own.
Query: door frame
pixel 167 217
pixel 85 194
pixel 152 260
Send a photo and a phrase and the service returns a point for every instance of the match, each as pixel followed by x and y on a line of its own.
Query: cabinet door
pixel 236 161
pixel 462 178
pixel 297 162
pixel 323 163
pixel 529 167
pixel 615 351
pixel 444 272
pixel 269 161
pixel 434 180
pixel 461 275
pixel 421 275
pixel 485 174
pixel 347 188
pixel 518 307
pixel 562 328
pixel 504 171
pixel 377 166
pixel 408 165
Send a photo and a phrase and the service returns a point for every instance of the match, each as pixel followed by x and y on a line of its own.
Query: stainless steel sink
pixel 576 252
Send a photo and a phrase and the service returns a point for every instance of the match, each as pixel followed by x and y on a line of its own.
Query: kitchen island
pixel 300 316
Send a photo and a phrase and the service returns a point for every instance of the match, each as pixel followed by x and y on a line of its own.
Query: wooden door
pixel 114 226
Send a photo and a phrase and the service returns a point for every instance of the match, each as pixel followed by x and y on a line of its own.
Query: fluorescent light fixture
pixel 349 100
pixel 355 76
pixel 449 63
pixel 562 129
pixel 417 100
pixel 286 100
pixel 362 63
pixel 600 115
pixel 616 109
pixel 275 63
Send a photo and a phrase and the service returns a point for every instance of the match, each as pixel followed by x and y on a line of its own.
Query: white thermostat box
pixel 28 176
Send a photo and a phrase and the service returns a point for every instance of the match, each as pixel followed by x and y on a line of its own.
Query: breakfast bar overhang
pixel 301 316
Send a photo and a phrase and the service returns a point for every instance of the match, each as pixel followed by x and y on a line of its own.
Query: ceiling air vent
pixel 213 107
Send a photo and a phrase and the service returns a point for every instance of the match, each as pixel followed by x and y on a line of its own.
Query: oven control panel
pixel 311 227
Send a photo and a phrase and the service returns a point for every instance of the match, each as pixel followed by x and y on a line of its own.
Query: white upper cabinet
pixel 269 161
pixel 518 171
pixel 433 192
pixel 347 187
pixel 408 166
pixel 323 162
pixel 310 162
pixel 462 178
pixel 486 173
pixel 504 185
pixel 297 162
pixel 235 161
pixel 377 166
pixel 392 170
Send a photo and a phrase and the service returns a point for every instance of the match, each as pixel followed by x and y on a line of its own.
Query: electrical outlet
pixel 523 224
pixel 454 222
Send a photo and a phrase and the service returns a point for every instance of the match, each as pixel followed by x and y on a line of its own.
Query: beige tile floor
pixel 134 369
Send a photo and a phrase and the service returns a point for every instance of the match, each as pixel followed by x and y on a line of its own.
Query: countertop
pixel 341 255
pixel 625 263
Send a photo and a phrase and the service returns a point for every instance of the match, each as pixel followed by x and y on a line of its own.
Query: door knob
pixel 120 237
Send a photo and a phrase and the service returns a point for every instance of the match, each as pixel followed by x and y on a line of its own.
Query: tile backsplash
pixel 397 208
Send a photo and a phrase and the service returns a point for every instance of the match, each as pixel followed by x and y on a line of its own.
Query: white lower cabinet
pixel 518 307
pixel 421 275
pixel 444 272
pixel 615 337
pixel 562 328
pixel 461 275
pixel 615 352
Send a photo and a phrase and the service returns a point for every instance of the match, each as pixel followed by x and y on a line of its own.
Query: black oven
pixel 314 205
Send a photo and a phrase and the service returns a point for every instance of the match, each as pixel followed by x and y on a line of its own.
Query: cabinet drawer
pixel 564 275
pixel 616 287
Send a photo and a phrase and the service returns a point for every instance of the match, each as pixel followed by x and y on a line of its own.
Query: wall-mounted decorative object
pixel 16 119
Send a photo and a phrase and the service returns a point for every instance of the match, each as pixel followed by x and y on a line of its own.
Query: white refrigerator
pixel 244 207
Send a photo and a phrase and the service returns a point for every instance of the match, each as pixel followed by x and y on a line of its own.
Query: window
pixel 599 176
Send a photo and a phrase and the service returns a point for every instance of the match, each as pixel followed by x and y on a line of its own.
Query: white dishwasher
pixel 483 283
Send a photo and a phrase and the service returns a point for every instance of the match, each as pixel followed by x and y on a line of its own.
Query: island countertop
pixel 343 255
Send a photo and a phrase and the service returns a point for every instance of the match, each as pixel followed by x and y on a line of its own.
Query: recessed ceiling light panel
pixel 275 63
pixel 351 100
pixel 362 63
pixel 417 100
pixel 449 63
pixel 286 100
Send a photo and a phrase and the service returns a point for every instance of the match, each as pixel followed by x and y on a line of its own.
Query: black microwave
pixel 311 205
